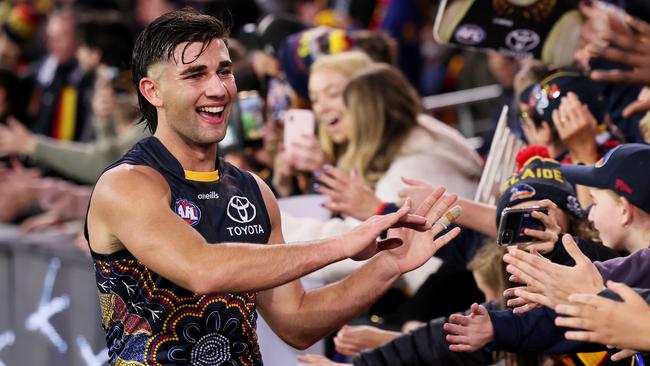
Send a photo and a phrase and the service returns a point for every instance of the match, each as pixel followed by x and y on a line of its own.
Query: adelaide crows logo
pixel 188 211
pixel 521 191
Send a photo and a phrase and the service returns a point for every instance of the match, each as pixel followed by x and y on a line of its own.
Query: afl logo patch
pixel 469 34
pixel 241 210
pixel 188 211
pixel 521 191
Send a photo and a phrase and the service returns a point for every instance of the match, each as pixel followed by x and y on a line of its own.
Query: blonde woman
pixel 329 75
pixel 375 137
pixel 387 138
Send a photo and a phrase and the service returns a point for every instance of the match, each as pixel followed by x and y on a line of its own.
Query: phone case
pixel 514 221
pixel 297 123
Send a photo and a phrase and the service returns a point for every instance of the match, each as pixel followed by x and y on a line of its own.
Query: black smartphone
pixel 513 223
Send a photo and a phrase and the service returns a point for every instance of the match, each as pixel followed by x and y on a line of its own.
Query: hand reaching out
pixel 419 246
pixel 548 283
pixel 576 127
pixel 16 139
pixel 469 333
pixel 416 190
pixel 351 340
pixel 346 194
pixel 625 41
pixel 361 242
pixel 602 320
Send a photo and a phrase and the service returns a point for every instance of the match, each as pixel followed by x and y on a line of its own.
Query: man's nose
pixel 216 88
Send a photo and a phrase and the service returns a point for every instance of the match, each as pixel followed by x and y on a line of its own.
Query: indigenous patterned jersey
pixel 148 319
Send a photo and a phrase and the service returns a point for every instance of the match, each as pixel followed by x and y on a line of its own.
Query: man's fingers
pixel 415 222
pixel 439 209
pixel 389 243
pixel 445 239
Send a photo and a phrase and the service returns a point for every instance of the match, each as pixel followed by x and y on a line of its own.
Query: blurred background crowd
pixel 354 102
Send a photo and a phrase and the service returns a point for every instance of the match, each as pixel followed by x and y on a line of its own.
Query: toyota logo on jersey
pixel 241 210
pixel 188 211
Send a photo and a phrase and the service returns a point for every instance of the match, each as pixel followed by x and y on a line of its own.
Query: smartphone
pixel 513 223
pixel 251 110
pixel 297 122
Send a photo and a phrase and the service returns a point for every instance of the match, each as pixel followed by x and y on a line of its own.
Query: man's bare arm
pixel 130 208
pixel 301 318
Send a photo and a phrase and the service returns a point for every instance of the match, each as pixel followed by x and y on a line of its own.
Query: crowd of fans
pixel 577 296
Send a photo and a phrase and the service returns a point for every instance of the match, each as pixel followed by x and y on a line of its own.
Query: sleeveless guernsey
pixel 148 319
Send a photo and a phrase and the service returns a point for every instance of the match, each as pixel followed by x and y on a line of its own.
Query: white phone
pixel 297 122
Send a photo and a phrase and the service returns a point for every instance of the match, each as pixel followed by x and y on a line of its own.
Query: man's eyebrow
pixel 225 63
pixel 193 69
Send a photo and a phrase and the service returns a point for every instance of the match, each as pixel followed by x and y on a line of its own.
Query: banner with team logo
pixel 546 30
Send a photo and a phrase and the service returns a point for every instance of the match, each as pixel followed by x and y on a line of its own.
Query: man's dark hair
pixel 158 41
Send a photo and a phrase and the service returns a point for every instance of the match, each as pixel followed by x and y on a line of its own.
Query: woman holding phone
pixel 372 132
pixel 329 76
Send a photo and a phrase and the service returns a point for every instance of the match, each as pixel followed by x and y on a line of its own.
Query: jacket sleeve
pixel 632 270
pixel 84 162
pixel 424 346
pixel 533 331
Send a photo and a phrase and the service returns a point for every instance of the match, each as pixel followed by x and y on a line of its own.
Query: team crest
pixel 188 211
pixel 521 191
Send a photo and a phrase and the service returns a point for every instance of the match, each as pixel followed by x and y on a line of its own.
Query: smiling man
pixel 185 245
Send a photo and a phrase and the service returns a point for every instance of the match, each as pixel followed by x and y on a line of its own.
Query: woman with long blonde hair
pixel 375 134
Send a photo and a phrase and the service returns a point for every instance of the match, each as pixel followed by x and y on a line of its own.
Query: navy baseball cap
pixel 624 170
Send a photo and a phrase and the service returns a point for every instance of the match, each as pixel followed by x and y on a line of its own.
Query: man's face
pixel 197 92
pixel 61 38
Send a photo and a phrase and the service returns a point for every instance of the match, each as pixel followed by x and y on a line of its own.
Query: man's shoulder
pixel 130 180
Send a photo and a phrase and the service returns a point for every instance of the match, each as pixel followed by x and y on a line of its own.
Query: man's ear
pixel 150 90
